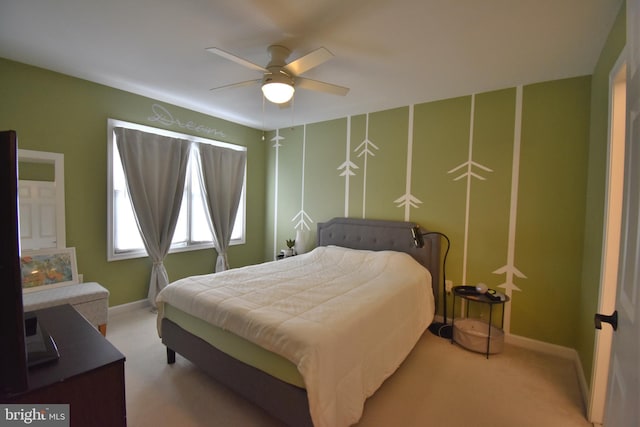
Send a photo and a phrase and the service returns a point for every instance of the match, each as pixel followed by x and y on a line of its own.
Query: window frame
pixel 112 253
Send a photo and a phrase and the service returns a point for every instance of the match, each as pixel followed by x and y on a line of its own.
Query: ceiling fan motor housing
pixel 277 75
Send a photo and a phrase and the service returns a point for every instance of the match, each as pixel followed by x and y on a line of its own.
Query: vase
pixel 301 242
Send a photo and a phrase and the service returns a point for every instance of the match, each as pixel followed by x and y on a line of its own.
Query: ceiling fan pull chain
pixel 264 127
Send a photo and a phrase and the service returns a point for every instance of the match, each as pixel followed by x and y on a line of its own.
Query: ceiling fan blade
pixel 308 61
pixel 239 84
pixel 302 83
pixel 236 59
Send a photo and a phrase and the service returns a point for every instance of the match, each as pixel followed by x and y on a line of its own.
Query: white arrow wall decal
pixel 365 149
pixel 277 146
pixel 347 168
pixel 408 200
pixel 469 164
pixel 301 217
pixel 509 270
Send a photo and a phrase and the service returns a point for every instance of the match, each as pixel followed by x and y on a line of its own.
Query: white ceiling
pixel 390 53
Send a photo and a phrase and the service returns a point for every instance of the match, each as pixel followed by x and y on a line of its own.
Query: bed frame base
pixel 282 400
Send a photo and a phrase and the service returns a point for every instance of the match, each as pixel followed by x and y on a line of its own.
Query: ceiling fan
pixel 280 79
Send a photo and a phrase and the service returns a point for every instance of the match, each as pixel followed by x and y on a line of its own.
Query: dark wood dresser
pixel 89 375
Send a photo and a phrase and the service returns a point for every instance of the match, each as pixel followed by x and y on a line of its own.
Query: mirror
pixel 41 197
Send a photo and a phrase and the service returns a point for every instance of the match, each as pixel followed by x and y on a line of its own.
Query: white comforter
pixel 346 318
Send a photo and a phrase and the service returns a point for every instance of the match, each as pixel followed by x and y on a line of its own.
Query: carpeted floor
pixel 439 384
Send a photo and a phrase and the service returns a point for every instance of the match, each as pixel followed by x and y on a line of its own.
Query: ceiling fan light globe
pixel 277 92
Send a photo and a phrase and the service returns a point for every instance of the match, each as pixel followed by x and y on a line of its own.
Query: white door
pixel 622 407
pixel 611 236
pixel 37 214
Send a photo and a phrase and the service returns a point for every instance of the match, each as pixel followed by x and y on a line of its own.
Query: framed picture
pixel 48 268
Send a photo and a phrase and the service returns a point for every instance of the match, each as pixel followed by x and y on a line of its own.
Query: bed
pixel 309 338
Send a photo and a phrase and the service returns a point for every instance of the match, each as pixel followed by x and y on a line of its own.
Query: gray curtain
pixel 155 168
pixel 222 175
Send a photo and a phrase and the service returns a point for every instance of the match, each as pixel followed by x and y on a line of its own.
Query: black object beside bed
pixel 283 400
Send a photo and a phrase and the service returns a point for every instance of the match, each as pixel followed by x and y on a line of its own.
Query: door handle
pixel 612 320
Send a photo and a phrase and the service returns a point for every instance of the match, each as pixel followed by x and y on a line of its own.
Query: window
pixel 192 230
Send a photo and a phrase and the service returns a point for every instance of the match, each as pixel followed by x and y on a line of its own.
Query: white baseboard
pixel 439 318
pixel 131 306
pixel 555 350
pixel 551 349
pixel 540 346
pixel 582 380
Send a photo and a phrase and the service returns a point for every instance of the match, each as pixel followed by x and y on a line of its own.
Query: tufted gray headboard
pixel 380 235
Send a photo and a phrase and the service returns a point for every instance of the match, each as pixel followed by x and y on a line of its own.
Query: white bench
pixel 90 299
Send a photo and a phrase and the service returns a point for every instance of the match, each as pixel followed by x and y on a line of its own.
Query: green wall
pixel 58 113
pixel 449 165
pixel 596 191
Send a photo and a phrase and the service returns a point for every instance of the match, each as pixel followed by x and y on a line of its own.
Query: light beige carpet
pixel 439 384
